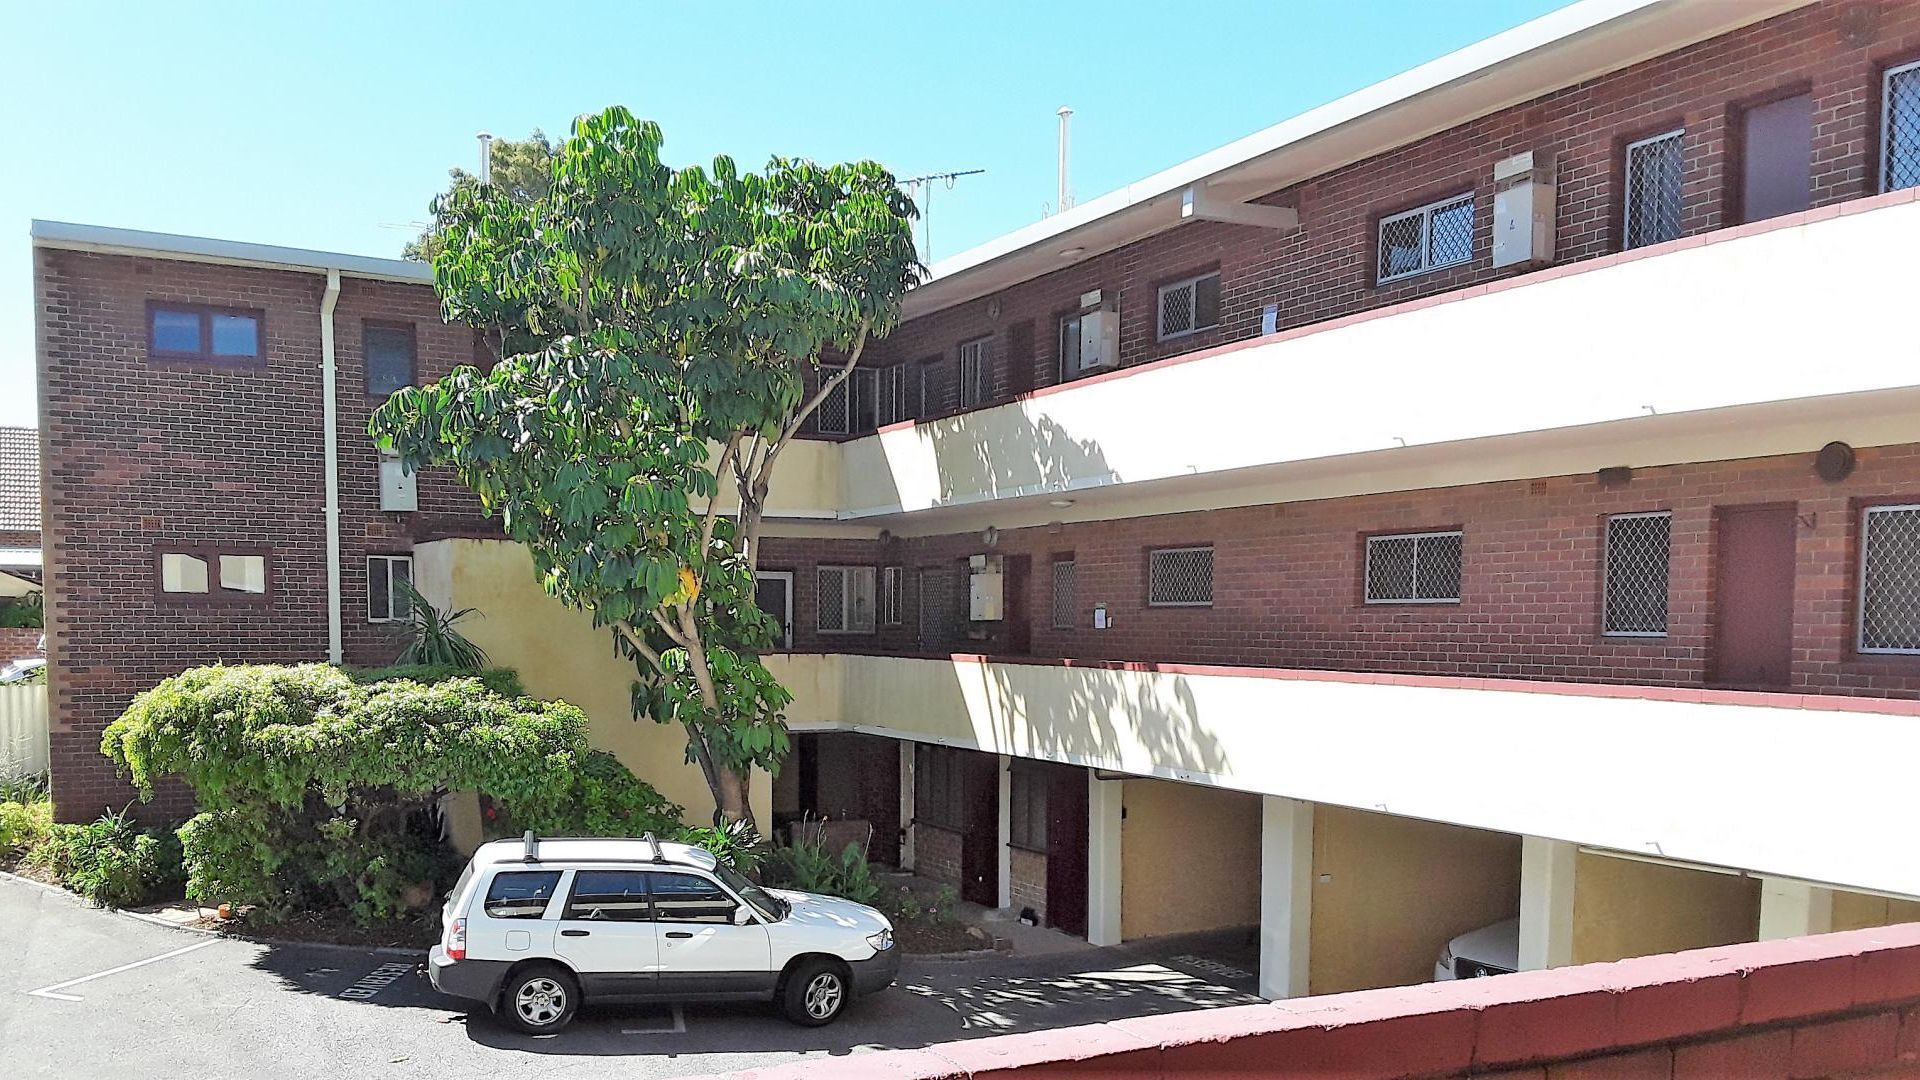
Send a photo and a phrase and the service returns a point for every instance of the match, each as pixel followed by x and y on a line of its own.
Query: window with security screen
pixel 835 414
pixel 899 393
pixel 975 372
pixel 1190 306
pixel 1890 579
pixel 1638 547
pixel 1428 238
pixel 1414 568
pixel 846 600
pixel 892 595
pixel 1064 600
pixel 1900 128
pixel 1180 577
pixel 1652 177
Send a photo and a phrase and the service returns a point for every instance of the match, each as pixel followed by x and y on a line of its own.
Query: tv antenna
pixel 914 184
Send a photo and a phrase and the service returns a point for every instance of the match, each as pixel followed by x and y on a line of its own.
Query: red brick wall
pixel 1838 1005
pixel 1288 580
pixel 1028 877
pixel 936 854
pixel 19 641
pixel 146 452
pixel 1325 269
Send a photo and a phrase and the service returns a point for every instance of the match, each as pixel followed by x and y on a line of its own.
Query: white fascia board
pixel 69 236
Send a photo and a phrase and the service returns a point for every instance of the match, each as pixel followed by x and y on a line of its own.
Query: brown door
pixel 980 842
pixel 1067 849
pixel 1018 627
pixel 1776 158
pixel 1753 596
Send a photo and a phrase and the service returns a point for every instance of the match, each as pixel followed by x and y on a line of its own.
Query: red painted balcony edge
pixel 1518 281
pixel 1685 694
pixel 1452 1027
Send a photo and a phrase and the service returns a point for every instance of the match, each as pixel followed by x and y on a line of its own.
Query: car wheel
pixel 815 994
pixel 539 1000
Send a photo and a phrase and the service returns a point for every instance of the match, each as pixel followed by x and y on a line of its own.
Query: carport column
pixel 1286 895
pixel 1546 902
pixel 906 804
pixel 1791 908
pixel 1006 831
pixel 1103 859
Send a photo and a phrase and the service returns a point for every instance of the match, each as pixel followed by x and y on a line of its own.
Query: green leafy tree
pixel 520 169
pixel 658 327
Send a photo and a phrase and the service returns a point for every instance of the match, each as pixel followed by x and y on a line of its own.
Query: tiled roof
pixel 19 479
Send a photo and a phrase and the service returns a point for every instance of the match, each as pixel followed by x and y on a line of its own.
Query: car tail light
pixel 457 940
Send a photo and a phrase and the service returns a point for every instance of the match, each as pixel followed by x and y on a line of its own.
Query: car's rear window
pixel 520 894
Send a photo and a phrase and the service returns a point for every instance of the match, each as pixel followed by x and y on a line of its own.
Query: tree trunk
pixel 730 792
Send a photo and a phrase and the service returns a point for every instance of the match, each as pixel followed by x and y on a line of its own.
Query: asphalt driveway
pixel 91 993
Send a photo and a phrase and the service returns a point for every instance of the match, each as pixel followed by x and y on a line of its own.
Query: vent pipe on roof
pixel 486 157
pixel 1065 197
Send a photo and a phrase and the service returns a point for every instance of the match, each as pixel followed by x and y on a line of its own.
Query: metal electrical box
pixel 985 588
pixel 1099 340
pixel 398 488
pixel 1523 200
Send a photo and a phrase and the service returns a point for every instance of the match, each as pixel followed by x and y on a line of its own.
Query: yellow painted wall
pixel 560 655
pixel 1390 892
pixel 1624 907
pixel 1861 911
pixel 1189 859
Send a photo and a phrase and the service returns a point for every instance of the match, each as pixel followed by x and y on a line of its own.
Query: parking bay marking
pixel 376 980
pixel 52 991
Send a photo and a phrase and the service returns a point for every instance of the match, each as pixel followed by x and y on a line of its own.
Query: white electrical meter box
pixel 398 487
pixel 1522 211
pixel 984 597
pixel 1099 340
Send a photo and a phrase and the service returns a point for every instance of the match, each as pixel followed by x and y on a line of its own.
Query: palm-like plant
pixel 430 636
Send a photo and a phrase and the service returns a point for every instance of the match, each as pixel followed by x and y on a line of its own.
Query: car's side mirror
pixel 741 916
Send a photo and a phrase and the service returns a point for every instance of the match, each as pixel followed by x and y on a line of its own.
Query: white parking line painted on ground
pixel 50 991
pixel 677 1027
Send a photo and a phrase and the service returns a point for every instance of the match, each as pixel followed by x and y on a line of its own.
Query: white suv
pixel 533 927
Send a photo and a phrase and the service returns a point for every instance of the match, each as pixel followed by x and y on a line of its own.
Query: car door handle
pixel 576 933
pixel 678 934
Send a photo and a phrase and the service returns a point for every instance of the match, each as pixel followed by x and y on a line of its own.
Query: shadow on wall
pixel 1005 452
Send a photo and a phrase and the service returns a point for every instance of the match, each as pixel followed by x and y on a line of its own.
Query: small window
pixel 1180 577
pixel 1638 546
pixel 190 571
pixel 1900 128
pixel 684 898
pixel 385 602
pixel 1436 235
pixel 899 394
pixel 892 595
pixel 1064 601
pixel 609 895
pixel 1890 579
pixel 1027 807
pixel 835 414
pixel 976 372
pixel 389 349
pixel 846 600
pixel 1653 174
pixel 939 787
pixel 1414 568
pixel 1190 306
pixel 520 894
pixel 194 333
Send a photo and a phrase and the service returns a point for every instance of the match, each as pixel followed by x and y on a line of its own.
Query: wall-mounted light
pixel 1060 504
pixel 1072 252
pixel 990 536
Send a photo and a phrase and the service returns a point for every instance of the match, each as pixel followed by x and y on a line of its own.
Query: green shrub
pixel 737 843
pixel 23 825
pixel 502 681
pixel 321 788
pixel 111 862
pixel 24 612
pixel 807 865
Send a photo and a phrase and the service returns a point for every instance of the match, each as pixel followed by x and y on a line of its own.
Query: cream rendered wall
pixel 560 655
pixel 1189 859
pixel 1390 892
pixel 1302 397
pixel 1398 748
pixel 1626 907
pixel 1861 911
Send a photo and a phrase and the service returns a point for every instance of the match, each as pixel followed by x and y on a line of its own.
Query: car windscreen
pixel 769 907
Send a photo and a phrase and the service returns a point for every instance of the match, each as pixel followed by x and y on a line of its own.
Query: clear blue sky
pixel 331 125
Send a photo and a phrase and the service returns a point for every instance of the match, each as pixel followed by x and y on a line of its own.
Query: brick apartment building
pixel 19 534
pixel 1494 494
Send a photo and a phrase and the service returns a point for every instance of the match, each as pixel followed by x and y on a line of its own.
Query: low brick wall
pixel 936 854
pixel 1835 1005
pixel 19 641
pixel 1028 881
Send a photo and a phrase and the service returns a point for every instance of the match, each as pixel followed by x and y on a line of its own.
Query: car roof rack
pixel 530 848
pixel 655 845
